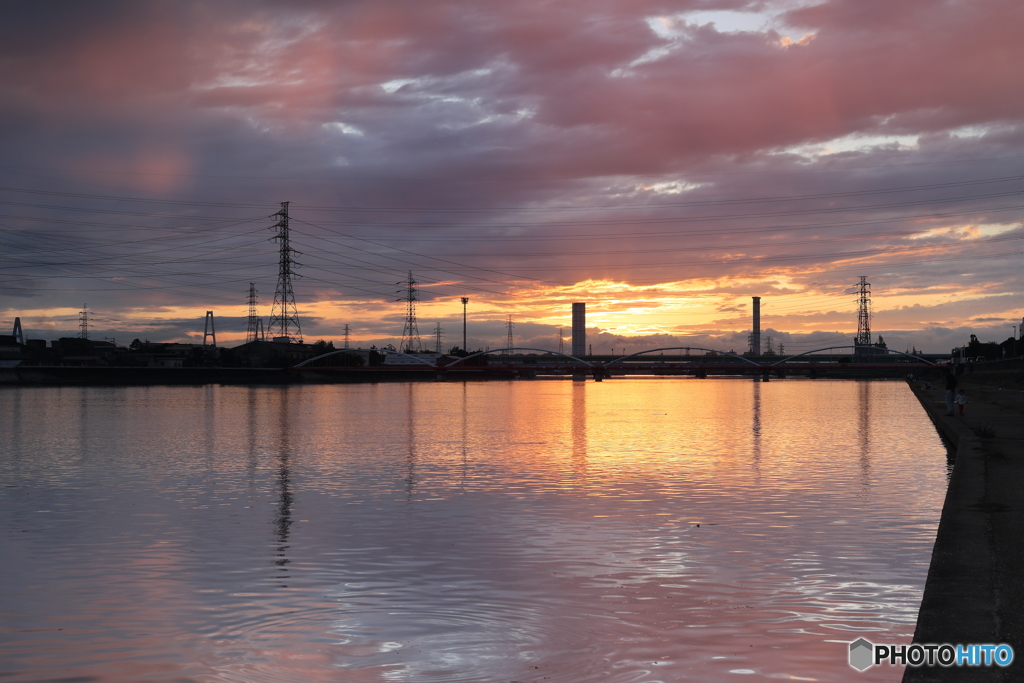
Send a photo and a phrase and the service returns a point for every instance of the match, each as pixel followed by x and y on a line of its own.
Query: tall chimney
pixel 579 330
pixel 755 334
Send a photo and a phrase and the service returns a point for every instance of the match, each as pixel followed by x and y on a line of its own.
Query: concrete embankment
pixel 123 376
pixel 116 376
pixel 975 587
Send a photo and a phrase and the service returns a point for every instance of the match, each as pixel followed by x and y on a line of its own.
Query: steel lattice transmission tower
pixel 510 343
pixel 346 335
pixel 411 332
pixel 283 314
pixel 83 322
pixel 254 328
pixel 864 313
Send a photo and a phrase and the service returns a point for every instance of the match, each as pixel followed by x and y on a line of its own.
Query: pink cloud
pixel 535 121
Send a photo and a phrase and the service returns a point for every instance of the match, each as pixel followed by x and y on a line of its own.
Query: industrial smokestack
pixel 579 330
pixel 755 334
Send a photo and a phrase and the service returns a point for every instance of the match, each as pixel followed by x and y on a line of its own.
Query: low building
pixel 11 352
pixel 394 358
pixel 76 351
pixel 273 354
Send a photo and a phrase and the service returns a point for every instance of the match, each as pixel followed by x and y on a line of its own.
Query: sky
pixel 662 162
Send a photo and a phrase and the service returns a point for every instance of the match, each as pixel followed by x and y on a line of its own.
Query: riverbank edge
pixel 965 594
pixel 33 375
pixel 126 376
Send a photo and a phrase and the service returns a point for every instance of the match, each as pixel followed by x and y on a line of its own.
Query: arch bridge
pixel 530 362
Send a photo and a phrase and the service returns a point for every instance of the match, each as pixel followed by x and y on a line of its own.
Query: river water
pixel 629 530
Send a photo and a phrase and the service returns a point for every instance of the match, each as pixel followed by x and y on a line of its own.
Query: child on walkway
pixel 961 401
pixel 950 388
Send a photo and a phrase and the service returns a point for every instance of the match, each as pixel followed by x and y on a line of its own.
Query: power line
pixel 634 235
pixel 435 258
pixel 497 209
pixel 674 205
pixel 362 175
pixel 708 217
pixel 764 259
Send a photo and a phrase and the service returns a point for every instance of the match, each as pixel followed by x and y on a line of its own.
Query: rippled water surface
pixel 629 530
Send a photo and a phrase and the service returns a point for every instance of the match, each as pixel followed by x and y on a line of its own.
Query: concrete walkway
pixel 975 587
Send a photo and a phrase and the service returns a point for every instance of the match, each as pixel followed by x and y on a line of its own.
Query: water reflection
pixel 410 422
pixel 17 424
pixel 210 422
pixel 864 429
pixel 755 429
pixel 464 412
pixel 553 536
pixel 579 430
pixel 252 432
pixel 84 441
pixel 283 519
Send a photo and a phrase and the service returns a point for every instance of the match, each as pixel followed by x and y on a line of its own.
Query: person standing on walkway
pixel 961 401
pixel 950 388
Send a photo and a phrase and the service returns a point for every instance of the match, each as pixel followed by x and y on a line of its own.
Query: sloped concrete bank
pixel 117 376
pixel 121 376
pixel 974 593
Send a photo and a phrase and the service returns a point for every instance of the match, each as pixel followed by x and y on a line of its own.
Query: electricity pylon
pixel 254 328
pixel 411 332
pixel 284 314
pixel 510 343
pixel 864 313
pixel 83 322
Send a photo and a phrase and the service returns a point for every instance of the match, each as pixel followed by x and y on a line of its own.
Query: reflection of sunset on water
pixel 465 531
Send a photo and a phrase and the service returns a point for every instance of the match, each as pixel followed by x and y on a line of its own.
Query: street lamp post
pixel 465 300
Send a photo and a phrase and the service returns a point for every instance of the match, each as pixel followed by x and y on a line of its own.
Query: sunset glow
pixel 662 162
